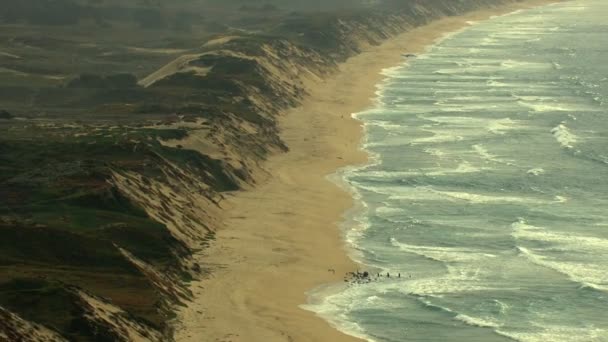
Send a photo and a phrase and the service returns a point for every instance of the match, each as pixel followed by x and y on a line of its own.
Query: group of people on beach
pixel 365 277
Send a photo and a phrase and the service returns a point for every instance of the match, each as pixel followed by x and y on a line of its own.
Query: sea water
pixel 488 187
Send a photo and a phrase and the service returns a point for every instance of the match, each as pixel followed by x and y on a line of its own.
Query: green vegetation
pixel 60 219
pixel 5 115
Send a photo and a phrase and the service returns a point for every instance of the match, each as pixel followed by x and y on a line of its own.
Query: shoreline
pixel 280 240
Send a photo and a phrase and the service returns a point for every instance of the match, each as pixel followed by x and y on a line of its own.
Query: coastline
pixel 281 237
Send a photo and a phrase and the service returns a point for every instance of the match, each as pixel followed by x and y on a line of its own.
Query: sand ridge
pixel 281 237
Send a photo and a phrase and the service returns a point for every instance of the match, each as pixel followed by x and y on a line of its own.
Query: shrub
pixel 119 81
pixel 5 115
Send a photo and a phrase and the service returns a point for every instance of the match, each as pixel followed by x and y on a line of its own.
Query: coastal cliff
pixel 100 220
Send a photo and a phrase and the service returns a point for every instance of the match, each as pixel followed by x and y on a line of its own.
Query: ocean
pixel 487 189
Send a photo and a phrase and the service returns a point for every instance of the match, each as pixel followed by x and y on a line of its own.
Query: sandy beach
pixel 281 237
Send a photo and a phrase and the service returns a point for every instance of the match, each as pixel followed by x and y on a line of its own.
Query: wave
pixel 454 283
pixel 481 198
pixel 428 193
pixel 502 125
pixel 525 66
pixel 439 136
pixel 489 42
pixel 477 322
pixel 457 128
pixel 551 106
pixel 566 241
pixel 443 254
pixel 556 333
pixel 588 274
pixel 534 98
pixel 494 83
pixel 476 66
pixel 486 322
pixel 462 168
pixel 426 302
pixel 494 126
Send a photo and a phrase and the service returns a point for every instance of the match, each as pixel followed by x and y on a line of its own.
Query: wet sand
pixel 281 237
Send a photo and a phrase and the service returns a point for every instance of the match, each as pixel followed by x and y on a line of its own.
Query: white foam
pixel 543 107
pixel 563 135
pixel 335 307
pixel 493 83
pixel 495 126
pixel 430 304
pixel 464 167
pixel 427 193
pixel 536 171
pixel 512 13
pixel 503 307
pixel 392 71
pixel 557 66
pixel 435 152
pixel 525 66
pixel 372 299
pixel 488 42
pixel 477 322
pixel 571 8
pixel 459 128
pixel 386 125
pixel 465 281
pixel 477 66
pixel 479 198
pixel 557 333
pixel 446 36
pixel 443 254
pixel 483 152
pixel 549 104
pixel 561 199
pixel 439 136
pixel 357 225
pixel 388 210
pixel 534 98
